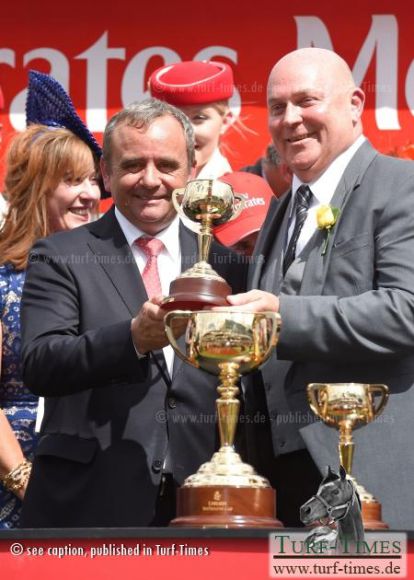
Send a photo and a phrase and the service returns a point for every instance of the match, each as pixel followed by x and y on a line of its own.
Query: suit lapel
pixel 113 254
pixel 189 252
pixel 189 247
pixel 316 268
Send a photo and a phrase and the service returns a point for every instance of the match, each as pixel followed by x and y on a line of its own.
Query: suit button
pixel 156 466
pixel 282 443
pixel 172 403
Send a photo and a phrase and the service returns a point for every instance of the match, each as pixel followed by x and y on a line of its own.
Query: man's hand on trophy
pixel 253 301
pixel 148 329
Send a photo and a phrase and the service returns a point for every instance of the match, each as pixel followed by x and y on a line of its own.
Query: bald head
pixel 314 110
pixel 328 66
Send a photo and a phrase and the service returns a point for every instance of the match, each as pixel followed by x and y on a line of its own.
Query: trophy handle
pixel 313 390
pixel 382 390
pixel 168 320
pixel 177 198
pixel 274 319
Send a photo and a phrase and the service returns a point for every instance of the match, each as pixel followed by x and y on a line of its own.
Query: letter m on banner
pixel 382 39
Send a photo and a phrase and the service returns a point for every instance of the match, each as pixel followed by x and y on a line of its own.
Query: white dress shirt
pixel 323 190
pixel 169 260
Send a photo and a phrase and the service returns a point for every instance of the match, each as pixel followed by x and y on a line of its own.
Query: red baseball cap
pixel 192 82
pixel 257 196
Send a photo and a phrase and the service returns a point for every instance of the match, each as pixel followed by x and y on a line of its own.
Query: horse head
pixel 332 501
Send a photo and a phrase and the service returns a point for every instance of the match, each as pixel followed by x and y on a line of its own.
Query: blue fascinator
pixel 48 104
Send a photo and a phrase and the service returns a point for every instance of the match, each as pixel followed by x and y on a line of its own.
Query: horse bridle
pixel 332 509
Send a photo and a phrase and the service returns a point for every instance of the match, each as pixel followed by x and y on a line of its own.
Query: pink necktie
pixel 152 248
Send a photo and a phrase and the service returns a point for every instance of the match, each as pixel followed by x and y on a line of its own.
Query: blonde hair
pixel 38 159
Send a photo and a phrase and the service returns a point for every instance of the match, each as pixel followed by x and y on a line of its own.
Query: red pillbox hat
pixel 192 82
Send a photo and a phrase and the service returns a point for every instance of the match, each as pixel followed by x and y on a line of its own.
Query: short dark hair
pixel 272 156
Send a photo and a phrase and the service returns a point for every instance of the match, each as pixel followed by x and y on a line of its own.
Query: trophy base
pixel 226 493
pixel 224 506
pixel 196 293
pixel 371 508
pixel 371 516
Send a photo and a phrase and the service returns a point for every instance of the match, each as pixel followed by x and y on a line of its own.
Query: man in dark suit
pixel 343 284
pixel 125 421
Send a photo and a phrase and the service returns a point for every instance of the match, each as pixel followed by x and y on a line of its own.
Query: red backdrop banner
pixel 104 57
pixel 159 558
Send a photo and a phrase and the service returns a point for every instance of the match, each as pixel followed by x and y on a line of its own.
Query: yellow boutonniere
pixel 326 218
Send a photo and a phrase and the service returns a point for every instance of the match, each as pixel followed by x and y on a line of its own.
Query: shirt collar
pixel 324 187
pixel 215 167
pixel 169 236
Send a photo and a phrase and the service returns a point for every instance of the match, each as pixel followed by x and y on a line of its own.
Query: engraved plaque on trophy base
pixel 371 516
pixel 226 507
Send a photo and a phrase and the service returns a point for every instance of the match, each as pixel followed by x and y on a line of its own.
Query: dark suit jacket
pixel 109 416
pixel 350 320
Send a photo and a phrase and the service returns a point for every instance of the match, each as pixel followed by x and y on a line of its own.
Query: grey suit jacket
pixel 351 318
pixel 109 416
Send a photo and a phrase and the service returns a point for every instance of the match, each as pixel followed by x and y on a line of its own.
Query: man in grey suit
pixel 345 295
pixel 125 422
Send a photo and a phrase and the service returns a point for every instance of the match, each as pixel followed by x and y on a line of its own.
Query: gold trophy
pixel 225 492
pixel 347 406
pixel 205 203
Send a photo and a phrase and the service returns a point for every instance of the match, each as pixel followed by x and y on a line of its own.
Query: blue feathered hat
pixel 48 104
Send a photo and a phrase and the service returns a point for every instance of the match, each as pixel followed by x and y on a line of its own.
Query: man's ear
pixel 357 103
pixel 105 174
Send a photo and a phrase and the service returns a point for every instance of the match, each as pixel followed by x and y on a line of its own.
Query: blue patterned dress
pixel 18 404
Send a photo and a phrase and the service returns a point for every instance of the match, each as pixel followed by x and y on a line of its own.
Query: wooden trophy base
pixel 371 516
pixel 188 293
pixel 221 506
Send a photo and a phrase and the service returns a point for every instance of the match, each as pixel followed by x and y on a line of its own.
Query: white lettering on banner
pixel 409 88
pixel 59 69
pixel 133 83
pixel 97 80
pixel 312 32
pixel 382 39
pixel 7 56
pixel 381 42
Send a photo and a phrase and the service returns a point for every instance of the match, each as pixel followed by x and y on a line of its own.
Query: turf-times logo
pixel 379 554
